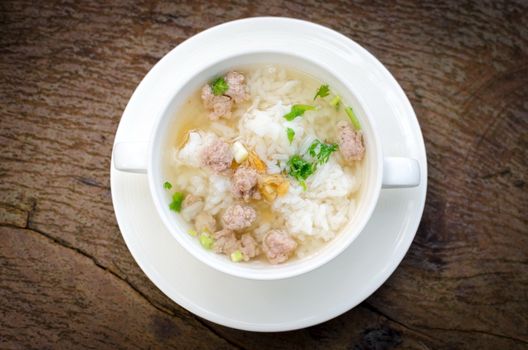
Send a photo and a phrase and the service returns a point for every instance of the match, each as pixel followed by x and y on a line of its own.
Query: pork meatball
pixel 248 247
pixel 350 142
pixel 244 184
pixel 225 242
pixel 218 106
pixel 278 246
pixel 238 217
pixel 217 156
pixel 238 91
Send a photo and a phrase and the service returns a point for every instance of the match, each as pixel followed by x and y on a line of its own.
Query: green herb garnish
pixel 291 134
pixel 176 204
pixel 206 241
pixel 219 86
pixel 167 185
pixel 336 102
pixel 297 111
pixel 321 151
pixel 237 256
pixel 299 168
pixel 193 233
pixel 353 119
pixel 323 91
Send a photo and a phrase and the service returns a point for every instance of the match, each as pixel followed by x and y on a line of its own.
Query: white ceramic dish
pixel 287 304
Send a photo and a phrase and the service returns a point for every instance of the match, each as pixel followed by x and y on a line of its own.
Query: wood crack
pixel 166 311
pixel 67 245
pixel 518 340
pixel 375 310
pixel 29 226
pixel 91 182
pixel 500 173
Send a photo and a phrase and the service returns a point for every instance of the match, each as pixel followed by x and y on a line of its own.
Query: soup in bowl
pixel 264 163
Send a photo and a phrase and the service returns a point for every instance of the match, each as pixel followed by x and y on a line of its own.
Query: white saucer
pixel 307 299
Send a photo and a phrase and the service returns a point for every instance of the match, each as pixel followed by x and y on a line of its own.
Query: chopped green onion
pixel 336 101
pixel 353 119
pixel 193 233
pixel 291 134
pixel 237 256
pixel 167 185
pixel 303 185
pixel 297 111
pixel 323 91
pixel 219 86
pixel 206 241
pixel 176 204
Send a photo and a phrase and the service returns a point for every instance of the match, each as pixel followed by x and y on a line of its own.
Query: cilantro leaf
pixel 353 119
pixel 326 151
pixel 314 148
pixel 176 204
pixel 297 111
pixel 300 168
pixel 167 185
pixel 323 91
pixel 291 134
pixel 219 86
pixel 321 151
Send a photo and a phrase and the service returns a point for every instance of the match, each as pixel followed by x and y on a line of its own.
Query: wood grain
pixel 67 70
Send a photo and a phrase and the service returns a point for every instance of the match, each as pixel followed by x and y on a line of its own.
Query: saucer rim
pixel 339 309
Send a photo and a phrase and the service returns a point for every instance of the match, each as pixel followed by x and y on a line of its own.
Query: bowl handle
pixel 400 172
pixel 131 157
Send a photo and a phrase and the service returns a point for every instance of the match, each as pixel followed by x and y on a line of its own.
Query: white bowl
pixel 328 65
pixel 258 269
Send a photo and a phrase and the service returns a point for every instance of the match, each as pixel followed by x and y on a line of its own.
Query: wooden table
pixel 67 279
